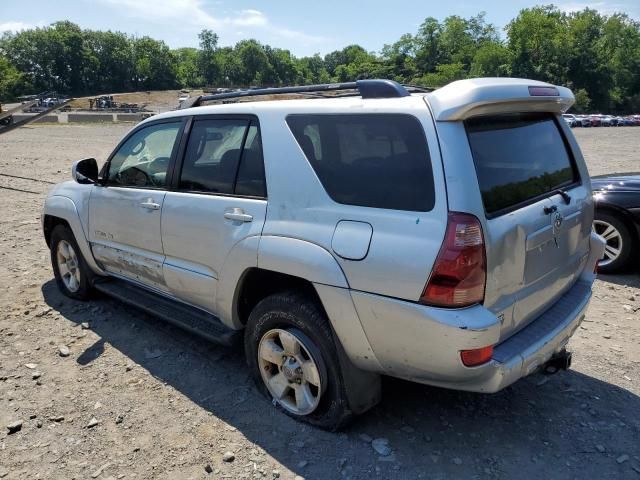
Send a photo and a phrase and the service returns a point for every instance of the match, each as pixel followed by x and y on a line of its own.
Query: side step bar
pixel 189 318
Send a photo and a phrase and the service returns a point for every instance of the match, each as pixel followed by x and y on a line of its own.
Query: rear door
pixel 218 200
pixel 538 212
pixel 124 213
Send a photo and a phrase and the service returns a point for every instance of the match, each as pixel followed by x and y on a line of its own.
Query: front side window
pixel 143 159
pixel 371 160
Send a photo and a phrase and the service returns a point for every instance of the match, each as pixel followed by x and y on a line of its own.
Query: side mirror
pixel 85 171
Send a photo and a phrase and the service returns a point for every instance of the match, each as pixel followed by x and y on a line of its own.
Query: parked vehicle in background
pixel 606 120
pixel 617 220
pixel 426 235
pixel 595 120
pixel 583 121
pixel 571 120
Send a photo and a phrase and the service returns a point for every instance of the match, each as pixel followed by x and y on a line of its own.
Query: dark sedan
pixel 617 219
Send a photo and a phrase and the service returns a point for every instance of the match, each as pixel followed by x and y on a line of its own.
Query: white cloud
pixel 195 13
pixel 605 8
pixel 249 18
pixel 17 26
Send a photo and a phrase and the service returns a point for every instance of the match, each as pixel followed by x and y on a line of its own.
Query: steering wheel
pixel 159 165
pixel 134 176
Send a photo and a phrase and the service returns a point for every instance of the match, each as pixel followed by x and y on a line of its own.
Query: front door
pixel 218 203
pixel 124 213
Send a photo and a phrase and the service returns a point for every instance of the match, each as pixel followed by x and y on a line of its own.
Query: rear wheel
pixel 291 352
pixel 71 272
pixel 617 251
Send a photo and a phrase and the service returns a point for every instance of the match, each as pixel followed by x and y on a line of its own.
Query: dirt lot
pixel 168 405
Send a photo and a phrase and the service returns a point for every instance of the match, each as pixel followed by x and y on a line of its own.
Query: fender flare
pixel 300 258
pixel 64 208
pixel 285 255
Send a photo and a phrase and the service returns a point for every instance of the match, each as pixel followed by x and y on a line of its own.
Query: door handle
pixel 238 215
pixel 150 205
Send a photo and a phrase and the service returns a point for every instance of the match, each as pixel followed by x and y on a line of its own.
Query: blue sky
pixel 304 28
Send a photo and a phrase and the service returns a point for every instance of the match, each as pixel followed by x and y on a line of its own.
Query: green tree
pixel 187 70
pixel 12 82
pixel 208 63
pixel 538 43
pixel 492 59
pixel 583 102
pixel 154 65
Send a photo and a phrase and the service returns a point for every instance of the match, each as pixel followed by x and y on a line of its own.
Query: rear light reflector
pixel 477 356
pixel 544 92
pixel 459 274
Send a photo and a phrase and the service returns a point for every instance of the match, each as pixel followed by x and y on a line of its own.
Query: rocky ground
pixel 99 390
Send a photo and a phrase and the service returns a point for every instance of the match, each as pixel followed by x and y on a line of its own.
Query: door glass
pixel 143 160
pixel 251 181
pixel 371 160
pixel 212 157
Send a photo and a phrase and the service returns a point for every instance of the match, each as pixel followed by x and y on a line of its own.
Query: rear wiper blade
pixel 565 196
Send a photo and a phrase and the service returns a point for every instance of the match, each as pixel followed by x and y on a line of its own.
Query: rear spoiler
pixel 486 96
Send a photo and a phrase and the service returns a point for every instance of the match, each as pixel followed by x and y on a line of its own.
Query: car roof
pixel 456 101
pixel 323 105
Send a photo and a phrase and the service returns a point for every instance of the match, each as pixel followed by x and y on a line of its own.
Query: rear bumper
pixel 423 344
pixel 528 350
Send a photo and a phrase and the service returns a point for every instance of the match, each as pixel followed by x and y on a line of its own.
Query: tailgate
pixel 538 212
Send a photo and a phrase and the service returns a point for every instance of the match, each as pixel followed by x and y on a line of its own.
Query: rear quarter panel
pixel 403 245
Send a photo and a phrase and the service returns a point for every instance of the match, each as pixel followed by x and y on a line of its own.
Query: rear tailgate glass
pixel 519 158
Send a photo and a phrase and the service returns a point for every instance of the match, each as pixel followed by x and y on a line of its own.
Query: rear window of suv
pixel 371 160
pixel 518 158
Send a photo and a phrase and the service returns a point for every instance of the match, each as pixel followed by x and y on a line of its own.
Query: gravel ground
pixel 103 391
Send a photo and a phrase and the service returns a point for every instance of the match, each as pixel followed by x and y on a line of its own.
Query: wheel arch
pixel 623 215
pixel 61 210
pixel 257 284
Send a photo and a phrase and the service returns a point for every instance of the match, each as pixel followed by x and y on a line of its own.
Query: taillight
pixel 459 275
pixel 477 356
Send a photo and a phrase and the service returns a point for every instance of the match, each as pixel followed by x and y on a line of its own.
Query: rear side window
pixel 371 160
pixel 224 156
pixel 518 157
pixel 213 154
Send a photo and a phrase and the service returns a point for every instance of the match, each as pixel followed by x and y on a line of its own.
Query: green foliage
pixel 598 56
pixel 583 102
pixel 12 82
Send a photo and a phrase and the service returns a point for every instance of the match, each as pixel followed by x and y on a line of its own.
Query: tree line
pixel 596 55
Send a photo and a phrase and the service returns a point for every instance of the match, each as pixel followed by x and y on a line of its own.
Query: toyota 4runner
pixel 438 236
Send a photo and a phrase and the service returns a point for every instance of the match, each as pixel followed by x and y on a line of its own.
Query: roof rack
pixel 366 89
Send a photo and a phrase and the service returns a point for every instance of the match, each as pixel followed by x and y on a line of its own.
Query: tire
pixel 619 239
pixel 301 318
pixel 64 243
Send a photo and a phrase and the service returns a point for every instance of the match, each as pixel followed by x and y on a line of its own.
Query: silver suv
pixel 438 236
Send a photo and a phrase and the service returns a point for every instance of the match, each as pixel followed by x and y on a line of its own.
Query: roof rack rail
pixel 366 88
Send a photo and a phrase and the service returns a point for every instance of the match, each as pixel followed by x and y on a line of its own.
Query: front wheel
pixel 291 352
pixel 619 246
pixel 71 272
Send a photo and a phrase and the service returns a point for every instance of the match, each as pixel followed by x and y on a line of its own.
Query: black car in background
pixel 617 219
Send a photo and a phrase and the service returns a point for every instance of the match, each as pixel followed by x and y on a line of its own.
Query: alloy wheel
pixel 289 370
pixel 68 266
pixel 612 236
